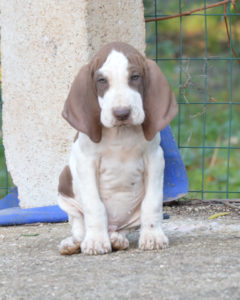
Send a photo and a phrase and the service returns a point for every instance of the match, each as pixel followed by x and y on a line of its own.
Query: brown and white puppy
pixel 114 181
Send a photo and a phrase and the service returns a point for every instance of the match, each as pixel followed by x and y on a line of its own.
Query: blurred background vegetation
pixel 5 178
pixel 194 80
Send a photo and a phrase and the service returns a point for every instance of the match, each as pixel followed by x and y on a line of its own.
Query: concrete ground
pixel 202 262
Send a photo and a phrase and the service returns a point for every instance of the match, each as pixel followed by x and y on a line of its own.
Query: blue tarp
pixel 175 186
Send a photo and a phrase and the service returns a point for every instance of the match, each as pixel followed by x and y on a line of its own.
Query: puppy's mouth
pixel 125 123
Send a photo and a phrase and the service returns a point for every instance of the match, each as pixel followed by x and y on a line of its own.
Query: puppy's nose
pixel 122 113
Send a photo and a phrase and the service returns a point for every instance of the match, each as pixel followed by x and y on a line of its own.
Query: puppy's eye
pixel 102 80
pixel 135 77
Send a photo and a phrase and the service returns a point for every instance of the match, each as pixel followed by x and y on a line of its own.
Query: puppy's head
pixel 119 87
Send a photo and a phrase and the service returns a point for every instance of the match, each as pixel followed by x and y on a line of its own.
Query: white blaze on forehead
pixel 115 68
pixel 119 93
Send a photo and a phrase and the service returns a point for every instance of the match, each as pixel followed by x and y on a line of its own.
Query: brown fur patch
pixel 76 137
pixel 65 183
pixel 101 86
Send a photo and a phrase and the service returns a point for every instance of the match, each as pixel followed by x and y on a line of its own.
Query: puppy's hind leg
pixel 71 244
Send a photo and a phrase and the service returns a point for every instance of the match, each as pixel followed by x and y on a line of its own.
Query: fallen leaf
pixel 29 234
pixel 218 215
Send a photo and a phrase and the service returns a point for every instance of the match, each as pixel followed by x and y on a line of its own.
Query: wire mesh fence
pixel 196 55
pixel 197 58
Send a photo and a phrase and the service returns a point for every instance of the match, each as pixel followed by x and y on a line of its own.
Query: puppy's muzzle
pixel 122 113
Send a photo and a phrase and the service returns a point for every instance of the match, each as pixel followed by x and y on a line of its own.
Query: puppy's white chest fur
pixel 121 176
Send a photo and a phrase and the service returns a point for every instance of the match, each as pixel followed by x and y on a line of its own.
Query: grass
pixel 190 133
pixel 220 119
pixel 5 179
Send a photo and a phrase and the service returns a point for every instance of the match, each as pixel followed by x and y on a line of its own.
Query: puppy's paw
pixel 95 244
pixel 118 241
pixel 152 239
pixel 69 246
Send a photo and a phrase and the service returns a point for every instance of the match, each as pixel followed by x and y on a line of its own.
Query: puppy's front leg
pixel 96 239
pixel 151 234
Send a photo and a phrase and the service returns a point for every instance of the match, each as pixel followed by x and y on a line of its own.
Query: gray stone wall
pixel 44 43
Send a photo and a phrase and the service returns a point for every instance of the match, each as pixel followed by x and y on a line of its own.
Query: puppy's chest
pixel 121 185
pixel 121 173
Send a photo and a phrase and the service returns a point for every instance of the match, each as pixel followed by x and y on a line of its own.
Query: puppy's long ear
pixel 159 101
pixel 81 108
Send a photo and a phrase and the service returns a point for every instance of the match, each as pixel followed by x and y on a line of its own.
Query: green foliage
pixel 214 81
pixel 193 31
pixel 5 179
